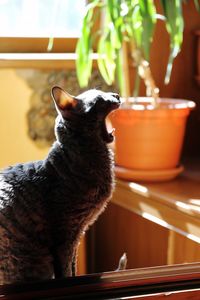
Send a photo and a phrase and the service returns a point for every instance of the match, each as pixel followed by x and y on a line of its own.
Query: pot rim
pixel 145 103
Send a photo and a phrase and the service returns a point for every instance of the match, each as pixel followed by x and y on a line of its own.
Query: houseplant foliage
pixel 127 26
pixel 131 22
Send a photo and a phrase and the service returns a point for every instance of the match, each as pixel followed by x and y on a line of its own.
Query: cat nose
pixel 116 96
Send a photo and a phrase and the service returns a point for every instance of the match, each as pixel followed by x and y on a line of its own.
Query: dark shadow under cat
pixel 47 205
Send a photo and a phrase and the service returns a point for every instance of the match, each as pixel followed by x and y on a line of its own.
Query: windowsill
pixel 174 205
pixel 31 53
pixel 40 60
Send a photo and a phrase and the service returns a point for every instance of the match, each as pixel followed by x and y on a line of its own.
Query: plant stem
pixel 125 69
pixel 137 84
pixel 145 73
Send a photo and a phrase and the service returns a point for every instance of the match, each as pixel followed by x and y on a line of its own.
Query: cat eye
pixel 115 95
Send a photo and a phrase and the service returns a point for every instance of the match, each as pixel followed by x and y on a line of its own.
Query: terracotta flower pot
pixel 147 138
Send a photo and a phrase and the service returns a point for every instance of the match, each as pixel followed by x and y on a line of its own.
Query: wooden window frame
pixel 31 52
pixel 20 52
pixel 36 45
pixel 172 282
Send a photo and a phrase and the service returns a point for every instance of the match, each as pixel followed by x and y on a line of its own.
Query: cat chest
pixel 78 204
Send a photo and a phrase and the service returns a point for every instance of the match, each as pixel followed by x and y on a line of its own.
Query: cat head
pixel 87 110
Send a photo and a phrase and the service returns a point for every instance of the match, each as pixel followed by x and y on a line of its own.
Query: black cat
pixel 46 206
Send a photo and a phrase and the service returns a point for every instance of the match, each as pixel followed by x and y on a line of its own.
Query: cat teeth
pixel 112 131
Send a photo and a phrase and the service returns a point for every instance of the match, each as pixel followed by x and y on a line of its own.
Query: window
pixel 41 18
pixel 27 25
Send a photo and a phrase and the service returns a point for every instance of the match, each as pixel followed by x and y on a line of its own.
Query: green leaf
pixel 114 22
pixel 174 25
pixel 84 46
pixel 197 5
pixel 140 22
pixel 83 64
pixel 106 59
pixel 119 72
pixel 148 16
pixel 137 26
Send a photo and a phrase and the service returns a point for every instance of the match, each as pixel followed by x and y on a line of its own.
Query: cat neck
pixel 78 155
pixel 78 133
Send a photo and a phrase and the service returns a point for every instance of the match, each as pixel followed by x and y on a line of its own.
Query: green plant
pixel 127 22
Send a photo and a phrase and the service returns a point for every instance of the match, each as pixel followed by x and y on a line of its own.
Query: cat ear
pixel 64 102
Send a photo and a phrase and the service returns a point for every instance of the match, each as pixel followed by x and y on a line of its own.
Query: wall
pixel 15 145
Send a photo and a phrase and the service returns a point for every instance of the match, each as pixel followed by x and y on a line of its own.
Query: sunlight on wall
pixel 15 145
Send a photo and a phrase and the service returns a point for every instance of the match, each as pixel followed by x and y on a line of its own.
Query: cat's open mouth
pixel 107 135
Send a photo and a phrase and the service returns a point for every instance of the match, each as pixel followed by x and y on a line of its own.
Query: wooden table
pixel 174 205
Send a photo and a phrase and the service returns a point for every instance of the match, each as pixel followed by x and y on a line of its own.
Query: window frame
pixel 15 52
pixel 36 45
pixel 22 47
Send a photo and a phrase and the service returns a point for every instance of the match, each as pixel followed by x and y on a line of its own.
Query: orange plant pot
pixel 147 138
